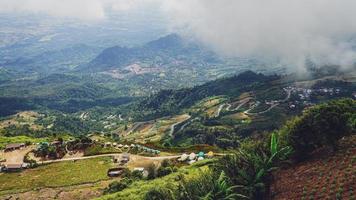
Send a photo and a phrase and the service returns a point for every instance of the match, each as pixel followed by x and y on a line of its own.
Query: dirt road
pixel 172 129
pixel 107 155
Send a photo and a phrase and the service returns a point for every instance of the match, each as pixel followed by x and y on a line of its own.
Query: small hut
pixel 12 147
pixel 115 172
pixel 125 156
pixel 108 144
pixel 13 167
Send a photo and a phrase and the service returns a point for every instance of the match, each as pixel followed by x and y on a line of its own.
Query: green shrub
pixel 159 194
pixel 164 171
pixel 320 126
pixel 166 163
pixel 118 186
pixel 137 174
pixel 151 172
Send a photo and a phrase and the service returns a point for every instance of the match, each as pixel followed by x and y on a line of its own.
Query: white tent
pixel 192 156
pixel 200 158
pixel 183 157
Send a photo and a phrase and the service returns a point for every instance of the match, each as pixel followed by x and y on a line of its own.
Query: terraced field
pixel 327 176
pixel 153 131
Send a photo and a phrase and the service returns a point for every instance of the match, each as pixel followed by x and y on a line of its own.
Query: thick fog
pixel 285 30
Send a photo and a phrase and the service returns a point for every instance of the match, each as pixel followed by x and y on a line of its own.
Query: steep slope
pixel 168 102
pixel 326 175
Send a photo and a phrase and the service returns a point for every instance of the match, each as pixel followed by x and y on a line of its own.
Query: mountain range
pixel 159 52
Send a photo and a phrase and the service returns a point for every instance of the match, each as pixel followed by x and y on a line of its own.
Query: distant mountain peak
pixel 168 48
pixel 168 41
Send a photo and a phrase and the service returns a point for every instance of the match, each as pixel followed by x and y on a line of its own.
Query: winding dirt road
pixel 289 92
pixel 172 130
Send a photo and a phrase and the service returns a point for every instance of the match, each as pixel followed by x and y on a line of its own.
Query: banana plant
pixel 257 165
pixel 276 153
pixel 223 191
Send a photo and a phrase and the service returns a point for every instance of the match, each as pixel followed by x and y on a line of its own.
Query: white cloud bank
pixel 288 30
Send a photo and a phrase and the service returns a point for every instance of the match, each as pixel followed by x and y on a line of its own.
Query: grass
pixel 19 139
pixel 139 188
pixel 56 175
pixel 238 116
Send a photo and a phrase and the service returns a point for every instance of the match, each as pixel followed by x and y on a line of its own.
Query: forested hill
pixel 158 52
pixel 168 102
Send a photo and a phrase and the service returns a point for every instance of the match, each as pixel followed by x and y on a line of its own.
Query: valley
pixel 155 100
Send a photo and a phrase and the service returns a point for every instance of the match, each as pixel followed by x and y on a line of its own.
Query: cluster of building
pixel 132 146
pixel 193 157
pixel 13 167
pixel 122 160
pixel 306 93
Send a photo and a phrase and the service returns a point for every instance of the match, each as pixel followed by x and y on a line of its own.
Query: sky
pixel 285 30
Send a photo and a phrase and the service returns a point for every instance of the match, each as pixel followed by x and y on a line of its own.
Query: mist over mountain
pixel 161 51
pixel 289 31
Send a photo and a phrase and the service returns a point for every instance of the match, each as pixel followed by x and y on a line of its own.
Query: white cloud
pixel 289 30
